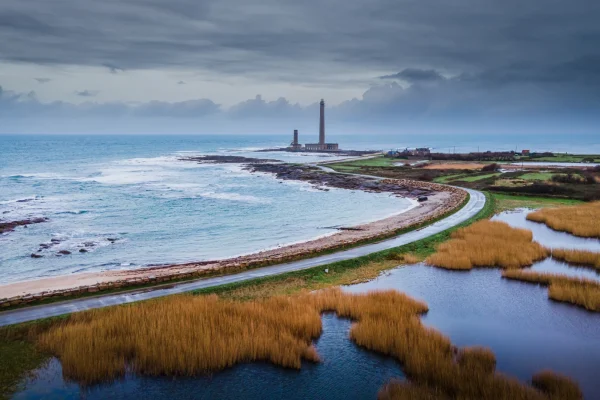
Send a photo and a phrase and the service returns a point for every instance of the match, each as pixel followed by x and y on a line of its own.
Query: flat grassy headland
pixel 576 182
pixel 581 220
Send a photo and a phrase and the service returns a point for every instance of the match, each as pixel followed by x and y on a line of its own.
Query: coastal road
pixel 475 204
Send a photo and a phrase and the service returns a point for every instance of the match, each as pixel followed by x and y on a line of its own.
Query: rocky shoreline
pixel 441 201
pixel 9 226
pixel 226 160
pixel 320 179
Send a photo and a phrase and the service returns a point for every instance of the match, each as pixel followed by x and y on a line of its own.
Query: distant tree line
pixel 484 156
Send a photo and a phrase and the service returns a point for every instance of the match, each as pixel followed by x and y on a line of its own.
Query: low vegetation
pixel 579 291
pixel 188 335
pixel 581 220
pixel 578 257
pixel 555 386
pixel 504 202
pixel 537 176
pixel 475 178
pixel 488 244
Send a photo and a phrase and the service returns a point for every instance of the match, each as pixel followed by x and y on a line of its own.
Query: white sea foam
pixel 235 197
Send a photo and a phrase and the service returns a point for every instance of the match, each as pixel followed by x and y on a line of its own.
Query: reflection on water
pixel 525 330
pixel 545 235
pixel 558 267
pixel 345 372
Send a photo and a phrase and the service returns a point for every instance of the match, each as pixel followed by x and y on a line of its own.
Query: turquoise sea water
pixel 130 201
pixel 156 209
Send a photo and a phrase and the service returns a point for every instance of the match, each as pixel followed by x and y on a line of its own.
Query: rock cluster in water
pixel 9 226
pixel 226 160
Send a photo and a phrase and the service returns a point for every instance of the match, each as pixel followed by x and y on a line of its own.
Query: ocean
pixel 129 201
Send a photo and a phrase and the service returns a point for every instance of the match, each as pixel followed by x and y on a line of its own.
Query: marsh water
pixel 526 331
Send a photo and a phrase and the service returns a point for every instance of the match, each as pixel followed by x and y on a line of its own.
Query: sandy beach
pixel 443 200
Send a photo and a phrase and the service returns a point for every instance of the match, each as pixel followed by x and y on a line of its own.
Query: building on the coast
pixel 418 152
pixel 295 145
pixel 525 152
pixel 322 145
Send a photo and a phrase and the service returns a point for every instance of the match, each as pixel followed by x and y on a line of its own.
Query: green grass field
pixel 448 178
pixel 503 202
pixel 537 176
pixel 479 177
pixel 379 161
pixel 564 158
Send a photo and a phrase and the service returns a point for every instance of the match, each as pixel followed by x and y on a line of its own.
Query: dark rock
pixel 64 252
pixel 226 160
pixel 33 255
pixel 322 179
pixel 112 240
pixel 83 251
pixel 11 225
pixel 53 240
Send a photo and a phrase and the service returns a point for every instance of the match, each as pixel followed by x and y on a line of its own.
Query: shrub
pixel 491 167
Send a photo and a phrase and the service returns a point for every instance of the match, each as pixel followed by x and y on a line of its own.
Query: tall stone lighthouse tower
pixel 322 124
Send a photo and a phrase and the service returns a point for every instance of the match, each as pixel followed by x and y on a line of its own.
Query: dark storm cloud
pixel 306 41
pixel 113 68
pixel 415 75
pixel 441 60
pixel 86 93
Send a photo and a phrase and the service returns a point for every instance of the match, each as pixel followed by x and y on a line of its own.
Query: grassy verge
pixel 537 176
pixel 379 161
pixel 505 202
pixel 19 355
pixel 478 177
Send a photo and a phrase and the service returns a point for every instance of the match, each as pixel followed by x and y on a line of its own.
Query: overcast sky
pixel 231 65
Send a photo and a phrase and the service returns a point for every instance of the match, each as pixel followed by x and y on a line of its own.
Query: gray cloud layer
pixel 441 60
pixel 279 39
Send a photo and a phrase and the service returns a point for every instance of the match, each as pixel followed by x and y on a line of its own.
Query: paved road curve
pixel 475 204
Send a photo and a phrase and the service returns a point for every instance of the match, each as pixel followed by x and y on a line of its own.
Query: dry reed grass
pixel 556 387
pixel 578 257
pixel 398 390
pixel 189 335
pixel 579 291
pixel 581 220
pixel 488 244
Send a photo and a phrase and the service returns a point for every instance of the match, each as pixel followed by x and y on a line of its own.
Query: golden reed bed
pixel 187 335
pixel 582 258
pixel 582 220
pixel 488 244
pixel 579 291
